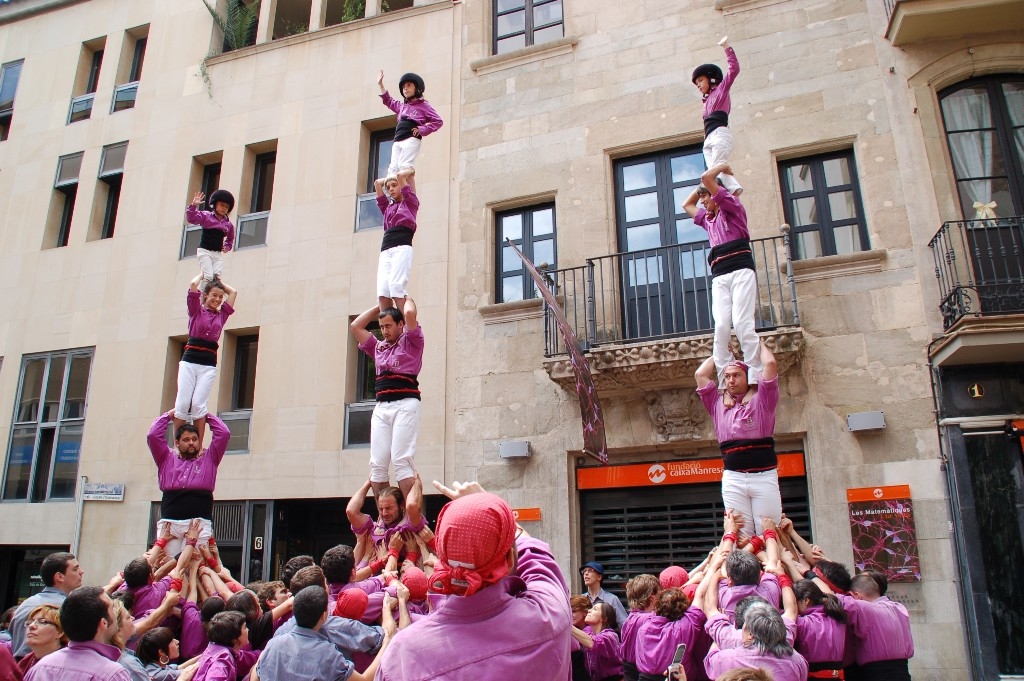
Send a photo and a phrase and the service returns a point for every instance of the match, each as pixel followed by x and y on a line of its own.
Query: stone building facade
pixel 571 128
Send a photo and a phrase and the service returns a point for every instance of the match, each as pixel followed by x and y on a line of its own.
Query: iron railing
pixel 661 293
pixel 890 5
pixel 980 268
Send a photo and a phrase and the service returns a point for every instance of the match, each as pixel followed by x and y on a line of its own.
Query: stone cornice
pixel 636 368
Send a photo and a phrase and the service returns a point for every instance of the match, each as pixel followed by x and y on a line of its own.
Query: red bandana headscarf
pixel 474 535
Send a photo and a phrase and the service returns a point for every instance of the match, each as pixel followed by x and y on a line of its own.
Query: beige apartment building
pixel 886 135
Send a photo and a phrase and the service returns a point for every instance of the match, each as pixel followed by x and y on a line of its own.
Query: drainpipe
pixel 81 506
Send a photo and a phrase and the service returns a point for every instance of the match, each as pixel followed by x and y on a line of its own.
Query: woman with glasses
pixel 43 634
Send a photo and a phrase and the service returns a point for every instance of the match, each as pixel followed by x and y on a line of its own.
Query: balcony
pixel 644 317
pixel 912 21
pixel 979 265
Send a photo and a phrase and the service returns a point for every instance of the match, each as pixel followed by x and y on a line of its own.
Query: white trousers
pixel 733 297
pixel 178 530
pixel 393 268
pixel 195 381
pixel 210 262
pixel 393 432
pixel 718 149
pixel 403 155
pixel 754 496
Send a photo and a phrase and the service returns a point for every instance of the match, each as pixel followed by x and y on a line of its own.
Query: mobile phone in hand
pixel 677 660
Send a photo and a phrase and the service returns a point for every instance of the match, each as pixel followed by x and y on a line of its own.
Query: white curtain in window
pixel 974 153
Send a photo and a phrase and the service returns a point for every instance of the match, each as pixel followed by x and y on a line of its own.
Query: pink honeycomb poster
pixel 883 533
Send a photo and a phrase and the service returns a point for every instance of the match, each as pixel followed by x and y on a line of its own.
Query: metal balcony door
pixel 664 290
pixel 984 121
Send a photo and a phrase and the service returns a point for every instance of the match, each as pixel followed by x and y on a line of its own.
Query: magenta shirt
pixel 209 220
pixel 792 668
pixel 79 661
pixel 508 630
pixel 202 321
pixel 404 357
pixel 753 420
pixel 150 596
pixel 629 632
pixel 729 223
pixel 419 110
pixel 400 213
pixel 658 638
pixel 718 99
pixel 881 629
pixel 175 473
pixel 193 636
pixel 605 658
pixel 819 638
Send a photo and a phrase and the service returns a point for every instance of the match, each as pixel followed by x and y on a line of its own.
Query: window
pixel 130 69
pixel 86 81
pixel 359 412
pixel 821 199
pixel 664 255
pixel 63 205
pixel 10 73
pixel 984 121
pixel 367 213
pixel 532 230
pixel 192 233
pixel 108 190
pixel 252 228
pixel 520 23
pixel 243 392
pixel 291 17
pixel 49 417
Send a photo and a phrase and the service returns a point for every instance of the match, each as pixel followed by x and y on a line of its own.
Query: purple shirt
pixel 193 636
pixel 819 638
pixel 658 638
pixel 80 661
pixel 630 630
pixel 220 663
pixel 881 629
pixel 403 357
pixel 510 630
pixel 175 473
pixel 149 596
pixel 400 213
pixel 718 99
pixel 750 421
pixel 792 668
pixel 605 658
pixel 207 219
pixel 202 321
pixel 419 110
pixel 728 224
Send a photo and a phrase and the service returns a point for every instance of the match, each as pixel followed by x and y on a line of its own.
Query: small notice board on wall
pixel 883 532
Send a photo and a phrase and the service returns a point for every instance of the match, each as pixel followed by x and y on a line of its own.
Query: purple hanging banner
pixel 594 442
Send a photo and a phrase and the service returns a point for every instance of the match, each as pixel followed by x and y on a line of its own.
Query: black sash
pixel 749 456
pixel 883 670
pixel 393 387
pixel 199 351
pixel 186 504
pixel 629 671
pixel 399 235
pixel 730 257
pixel 212 239
pixel 714 121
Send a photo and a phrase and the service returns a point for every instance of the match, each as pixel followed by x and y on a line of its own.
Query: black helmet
pixel 415 80
pixel 222 195
pixel 713 73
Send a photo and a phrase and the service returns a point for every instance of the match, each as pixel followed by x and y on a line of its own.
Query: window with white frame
pixel 243 392
pixel 191 234
pixel 49 419
pixel 521 23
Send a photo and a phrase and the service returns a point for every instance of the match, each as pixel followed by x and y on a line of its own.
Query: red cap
pixel 672 576
pixel 351 604
pixel 416 581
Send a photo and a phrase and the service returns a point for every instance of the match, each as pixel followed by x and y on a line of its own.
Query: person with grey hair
pixel 764 647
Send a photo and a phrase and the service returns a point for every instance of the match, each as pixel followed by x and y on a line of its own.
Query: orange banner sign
pixel 522 514
pixel 878 493
pixel 791 465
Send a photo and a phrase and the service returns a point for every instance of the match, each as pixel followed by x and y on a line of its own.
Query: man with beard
pixel 187 475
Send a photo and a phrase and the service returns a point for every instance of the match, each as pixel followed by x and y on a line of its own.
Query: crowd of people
pixel 478 598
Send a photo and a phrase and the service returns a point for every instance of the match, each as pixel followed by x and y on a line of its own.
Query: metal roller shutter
pixel 645 529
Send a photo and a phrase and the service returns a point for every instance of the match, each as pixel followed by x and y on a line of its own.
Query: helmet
pixel 713 73
pixel 222 195
pixel 415 80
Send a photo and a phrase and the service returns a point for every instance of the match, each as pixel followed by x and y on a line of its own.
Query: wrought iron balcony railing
pixel 980 268
pixel 662 293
